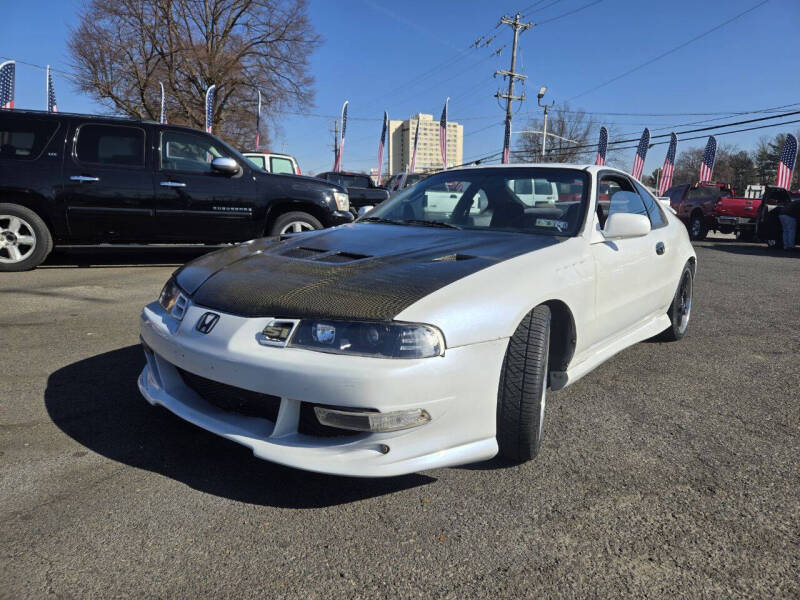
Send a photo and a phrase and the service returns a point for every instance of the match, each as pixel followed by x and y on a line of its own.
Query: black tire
pixel 522 391
pixel 681 308
pixel 295 222
pixel 16 255
pixel 698 229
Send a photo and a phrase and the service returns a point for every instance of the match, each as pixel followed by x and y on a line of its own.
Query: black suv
pixel 75 179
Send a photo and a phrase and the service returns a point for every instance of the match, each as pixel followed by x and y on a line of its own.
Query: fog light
pixel 371 421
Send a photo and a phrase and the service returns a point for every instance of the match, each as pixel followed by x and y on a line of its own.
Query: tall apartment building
pixel 429 156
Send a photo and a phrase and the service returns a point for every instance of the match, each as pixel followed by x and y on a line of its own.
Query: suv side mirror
pixel 626 225
pixel 225 165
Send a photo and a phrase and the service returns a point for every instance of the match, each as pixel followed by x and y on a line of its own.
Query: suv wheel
pixel 25 240
pixel 697 227
pixel 294 222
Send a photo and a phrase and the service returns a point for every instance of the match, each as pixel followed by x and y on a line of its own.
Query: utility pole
pixel 545 106
pixel 335 131
pixel 517 26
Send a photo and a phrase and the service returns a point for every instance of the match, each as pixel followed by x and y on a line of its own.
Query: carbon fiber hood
pixel 359 271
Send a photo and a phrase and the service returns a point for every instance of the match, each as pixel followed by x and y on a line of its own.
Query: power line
pixel 568 13
pixel 671 50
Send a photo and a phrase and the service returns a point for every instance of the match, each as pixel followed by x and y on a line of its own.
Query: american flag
pixel 641 154
pixel 384 129
pixel 669 165
pixel 7 84
pixel 210 107
pixel 52 105
pixel 337 164
pixel 507 143
pixel 413 164
pixel 602 147
pixel 443 134
pixel 786 162
pixel 707 166
pixel 258 122
pixel 163 116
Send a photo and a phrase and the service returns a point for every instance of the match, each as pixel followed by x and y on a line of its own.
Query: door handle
pixel 173 184
pixel 660 248
pixel 83 178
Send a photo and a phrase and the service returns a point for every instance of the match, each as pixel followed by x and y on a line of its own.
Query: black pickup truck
pixel 362 191
pixel 77 179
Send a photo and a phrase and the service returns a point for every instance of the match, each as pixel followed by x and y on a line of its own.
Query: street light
pixel 539 97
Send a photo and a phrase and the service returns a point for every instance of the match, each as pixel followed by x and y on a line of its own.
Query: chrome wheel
pixel 17 239
pixel 297 227
pixel 697 227
pixel 684 302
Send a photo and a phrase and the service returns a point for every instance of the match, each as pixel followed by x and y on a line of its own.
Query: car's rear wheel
pixel 680 310
pixel 698 230
pixel 295 222
pixel 25 240
pixel 522 392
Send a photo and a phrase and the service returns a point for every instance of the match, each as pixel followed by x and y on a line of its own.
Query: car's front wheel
pixel 681 308
pixel 25 240
pixel 295 222
pixel 522 391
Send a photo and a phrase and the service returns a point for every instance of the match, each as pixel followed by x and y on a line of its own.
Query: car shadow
pixel 96 402
pixel 749 249
pixel 124 256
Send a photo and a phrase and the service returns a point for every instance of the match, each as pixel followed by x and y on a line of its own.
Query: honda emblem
pixel 206 323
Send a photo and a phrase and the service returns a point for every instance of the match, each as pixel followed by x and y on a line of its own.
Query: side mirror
pixel 225 165
pixel 364 210
pixel 626 225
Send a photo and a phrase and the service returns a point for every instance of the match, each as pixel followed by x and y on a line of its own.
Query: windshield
pixel 514 199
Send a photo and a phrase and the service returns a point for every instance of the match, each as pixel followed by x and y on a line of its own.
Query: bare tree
pixel 569 135
pixel 122 48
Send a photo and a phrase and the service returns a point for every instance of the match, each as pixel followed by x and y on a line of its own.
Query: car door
pixel 194 203
pixel 107 183
pixel 624 268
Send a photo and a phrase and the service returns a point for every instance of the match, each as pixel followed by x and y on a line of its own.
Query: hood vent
pixel 452 257
pixel 342 257
pixel 300 252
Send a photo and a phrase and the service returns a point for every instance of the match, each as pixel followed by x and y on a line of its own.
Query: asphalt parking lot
pixel 672 470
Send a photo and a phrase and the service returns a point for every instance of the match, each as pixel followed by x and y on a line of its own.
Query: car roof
pixel 267 153
pixel 99 118
pixel 583 167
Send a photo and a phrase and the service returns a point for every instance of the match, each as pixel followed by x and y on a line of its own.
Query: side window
pixel 186 152
pixel 623 198
pixel 24 139
pixel 657 218
pixel 281 165
pixel 697 194
pixel 257 161
pixel 111 145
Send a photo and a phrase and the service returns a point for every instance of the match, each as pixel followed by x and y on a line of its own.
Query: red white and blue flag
pixel 52 105
pixel 210 107
pixel 443 134
pixel 162 117
pixel 507 143
pixel 412 167
pixel 641 154
pixel 602 147
pixel 337 164
pixel 669 165
pixel 384 130
pixel 7 84
pixel 258 122
pixel 786 162
pixel 709 156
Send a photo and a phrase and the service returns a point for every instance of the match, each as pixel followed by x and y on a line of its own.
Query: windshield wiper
pixel 381 220
pixel 425 223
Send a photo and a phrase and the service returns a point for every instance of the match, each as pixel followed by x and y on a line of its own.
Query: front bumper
pixel 458 391
pixel 340 217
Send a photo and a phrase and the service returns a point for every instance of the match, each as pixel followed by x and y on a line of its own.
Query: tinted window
pixel 657 218
pixel 24 139
pixel 281 165
pixel 110 145
pixel 186 152
pixel 258 161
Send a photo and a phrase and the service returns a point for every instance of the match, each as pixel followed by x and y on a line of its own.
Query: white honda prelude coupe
pixel 427 333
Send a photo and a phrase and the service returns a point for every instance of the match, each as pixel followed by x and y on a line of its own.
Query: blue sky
pixel 376 55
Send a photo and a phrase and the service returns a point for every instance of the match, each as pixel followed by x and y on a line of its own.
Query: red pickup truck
pixel 709 206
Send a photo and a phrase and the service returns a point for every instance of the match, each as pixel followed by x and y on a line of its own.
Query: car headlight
pixel 172 299
pixel 380 340
pixel 342 200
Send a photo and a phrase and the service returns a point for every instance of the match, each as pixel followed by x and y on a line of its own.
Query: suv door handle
pixel 173 184
pixel 660 248
pixel 84 178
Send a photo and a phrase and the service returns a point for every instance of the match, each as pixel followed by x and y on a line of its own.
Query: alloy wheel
pixel 685 302
pixel 297 227
pixel 17 239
